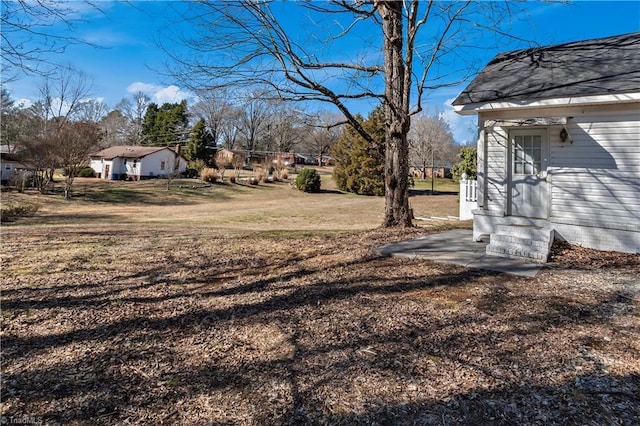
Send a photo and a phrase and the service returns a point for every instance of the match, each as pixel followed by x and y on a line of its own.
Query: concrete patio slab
pixel 457 247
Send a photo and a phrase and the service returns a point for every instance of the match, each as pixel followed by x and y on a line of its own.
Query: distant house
pixel 246 158
pixel 559 145
pixel 136 162
pixel 11 165
pixel 437 171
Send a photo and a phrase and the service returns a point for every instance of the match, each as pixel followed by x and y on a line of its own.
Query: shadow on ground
pixel 314 330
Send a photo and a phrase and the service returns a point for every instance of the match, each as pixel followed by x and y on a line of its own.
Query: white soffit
pixel 527 122
pixel 619 98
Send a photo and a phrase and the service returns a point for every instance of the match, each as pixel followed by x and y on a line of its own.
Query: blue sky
pixel 127 59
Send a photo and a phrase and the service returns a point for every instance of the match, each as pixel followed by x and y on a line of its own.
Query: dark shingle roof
pixel 125 151
pixel 592 67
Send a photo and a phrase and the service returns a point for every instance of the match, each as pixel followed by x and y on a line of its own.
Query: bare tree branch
pixel 30 38
pixel 247 44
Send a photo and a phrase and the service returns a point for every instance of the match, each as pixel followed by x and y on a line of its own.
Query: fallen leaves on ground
pixel 189 326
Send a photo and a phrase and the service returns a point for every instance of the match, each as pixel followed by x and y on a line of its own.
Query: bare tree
pixel 91 110
pixel 61 100
pixel 430 141
pixel 172 168
pixel 223 159
pixel 73 143
pixel 133 111
pixel 114 127
pixel 284 127
pixel 322 134
pixel 40 153
pixel 253 121
pixel 229 132
pixel 215 109
pixel 256 48
pixel 238 161
pixel 31 35
pixel 64 95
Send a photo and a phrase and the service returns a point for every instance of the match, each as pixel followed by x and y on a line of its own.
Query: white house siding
pixel 131 167
pixel 496 172
pixel 146 166
pixel 99 166
pixel 117 167
pixel 96 165
pixel 150 164
pixel 8 169
pixel 594 178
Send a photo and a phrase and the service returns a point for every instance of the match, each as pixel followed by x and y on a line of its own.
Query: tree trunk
pixel 397 121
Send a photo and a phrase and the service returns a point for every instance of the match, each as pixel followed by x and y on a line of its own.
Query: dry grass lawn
pixel 236 305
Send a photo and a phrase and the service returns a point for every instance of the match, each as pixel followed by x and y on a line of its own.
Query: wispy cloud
pixel 462 127
pixel 106 38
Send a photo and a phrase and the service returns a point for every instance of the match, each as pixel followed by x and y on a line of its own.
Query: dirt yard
pixel 156 312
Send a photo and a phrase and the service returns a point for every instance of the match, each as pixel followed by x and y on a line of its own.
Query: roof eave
pixel 501 105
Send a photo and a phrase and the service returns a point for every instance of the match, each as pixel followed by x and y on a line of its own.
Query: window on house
pixel 162 164
pixel 125 161
pixel 135 162
pixel 528 154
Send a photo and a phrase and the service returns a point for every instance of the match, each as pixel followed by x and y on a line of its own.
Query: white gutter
pixel 470 109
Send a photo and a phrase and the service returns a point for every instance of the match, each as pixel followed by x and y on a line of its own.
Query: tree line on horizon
pixel 399 66
pixel 50 134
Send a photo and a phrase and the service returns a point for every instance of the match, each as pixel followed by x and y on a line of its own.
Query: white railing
pixel 468 198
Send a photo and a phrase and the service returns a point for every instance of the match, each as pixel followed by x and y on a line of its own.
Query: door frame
pixel 544 165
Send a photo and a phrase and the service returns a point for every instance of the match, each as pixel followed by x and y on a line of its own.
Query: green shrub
pixel 468 164
pixel 191 173
pixel 308 180
pixel 86 172
pixel 411 182
pixel 197 165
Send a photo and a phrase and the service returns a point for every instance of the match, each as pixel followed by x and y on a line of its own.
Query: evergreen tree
pixel 7 111
pixel 148 123
pixel 165 125
pixel 358 164
pixel 468 163
pixel 199 140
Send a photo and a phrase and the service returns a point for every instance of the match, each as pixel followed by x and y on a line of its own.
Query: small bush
pixel 253 180
pixel 191 173
pixel 284 174
pixel 209 175
pixel 232 179
pixel 308 180
pixel 86 172
pixel 10 211
pixel 411 182
pixel 196 165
